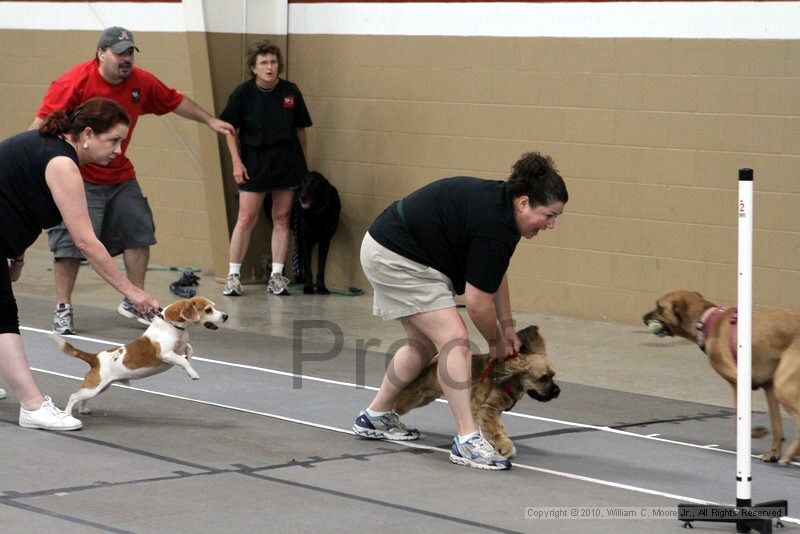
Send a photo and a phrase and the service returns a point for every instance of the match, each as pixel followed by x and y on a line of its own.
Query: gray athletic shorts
pixel 403 287
pixel 120 216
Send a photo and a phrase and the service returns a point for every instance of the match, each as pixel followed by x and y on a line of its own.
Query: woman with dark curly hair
pixel 453 236
pixel 41 185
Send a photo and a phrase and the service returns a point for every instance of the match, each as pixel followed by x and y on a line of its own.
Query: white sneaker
pixel 48 417
pixel 62 320
pixel 233 286
pixel 2 393
pixel 278 285
pixel 127 309
pixel 477 452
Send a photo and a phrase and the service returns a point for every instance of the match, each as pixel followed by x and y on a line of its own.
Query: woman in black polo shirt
pixel 453 236
pixel 270 157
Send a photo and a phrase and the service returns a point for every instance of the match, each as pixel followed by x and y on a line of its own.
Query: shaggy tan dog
pixel 496 387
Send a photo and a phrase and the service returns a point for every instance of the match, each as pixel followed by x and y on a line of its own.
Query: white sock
pixel 463 439
pixel 277 268
pixel 375 415
pixel 234 268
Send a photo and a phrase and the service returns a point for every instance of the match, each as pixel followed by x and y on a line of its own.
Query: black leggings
pixel 9 315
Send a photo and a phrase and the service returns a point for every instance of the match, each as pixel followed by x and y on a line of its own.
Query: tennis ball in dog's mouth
pixel 655 326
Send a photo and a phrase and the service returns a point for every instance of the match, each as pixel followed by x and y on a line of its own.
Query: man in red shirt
pixel 120 214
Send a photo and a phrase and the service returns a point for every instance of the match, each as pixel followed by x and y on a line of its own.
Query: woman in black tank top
pixel 40 184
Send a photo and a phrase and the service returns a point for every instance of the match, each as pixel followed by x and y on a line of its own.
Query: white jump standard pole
pixel 744 365
pixel 744 514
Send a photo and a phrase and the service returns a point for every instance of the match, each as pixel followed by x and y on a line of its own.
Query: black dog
pixel 318 211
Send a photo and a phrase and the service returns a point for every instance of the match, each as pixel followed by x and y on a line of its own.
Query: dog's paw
pixel 769 456
pixel 85 411
pixel 758 432
pixel 194 376
pixel 506 448
pixel 322 290
pixel 308 290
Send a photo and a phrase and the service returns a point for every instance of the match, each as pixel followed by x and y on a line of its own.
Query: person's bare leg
pixel 17 373
pixel 65 271
pixel 405 366
pixel 136 261
pixel 446 330
pixel 449 333
pixel 249 206
pixel 281 212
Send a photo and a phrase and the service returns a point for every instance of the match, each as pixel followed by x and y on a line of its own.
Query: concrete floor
pixel 262 442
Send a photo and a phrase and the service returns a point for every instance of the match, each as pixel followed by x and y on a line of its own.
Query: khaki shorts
pixel 403 287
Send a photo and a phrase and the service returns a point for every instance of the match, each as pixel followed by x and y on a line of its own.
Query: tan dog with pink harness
pixel 776 354
pixel 165 343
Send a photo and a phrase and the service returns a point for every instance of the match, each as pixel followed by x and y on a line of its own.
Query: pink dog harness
pixel 707 321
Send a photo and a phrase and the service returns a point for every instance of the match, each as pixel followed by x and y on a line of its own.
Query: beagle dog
pixel 165 343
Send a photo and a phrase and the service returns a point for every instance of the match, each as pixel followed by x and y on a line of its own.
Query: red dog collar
pixel 506 388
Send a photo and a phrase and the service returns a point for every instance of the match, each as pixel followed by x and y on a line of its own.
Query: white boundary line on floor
pixel 413 445
pixel 401 443
pixel 409 444
pixel 652 437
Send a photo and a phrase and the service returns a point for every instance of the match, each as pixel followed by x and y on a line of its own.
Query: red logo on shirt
pixel 288 102
pixel 136 94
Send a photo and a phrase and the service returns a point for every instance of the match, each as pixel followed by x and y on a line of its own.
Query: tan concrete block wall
pixel 649 134
pixel 176 160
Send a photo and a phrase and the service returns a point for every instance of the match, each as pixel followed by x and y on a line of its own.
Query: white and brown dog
pixel 165 343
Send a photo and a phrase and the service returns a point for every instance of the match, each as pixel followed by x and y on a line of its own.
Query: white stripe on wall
pixel 724 20
pixel 254 16
pixel 156 17
pixel 729 20
pixel 221 16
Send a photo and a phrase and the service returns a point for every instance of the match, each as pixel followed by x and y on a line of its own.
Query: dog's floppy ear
pixel 174 313
pixel 531 340
pixel 182 311
pixel 678 309
pixel 200 304
pixel 189 312
pixel 314 176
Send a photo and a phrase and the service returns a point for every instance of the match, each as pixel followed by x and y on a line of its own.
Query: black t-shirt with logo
pixel 26 203
pixel 463 227
pixel 266 117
